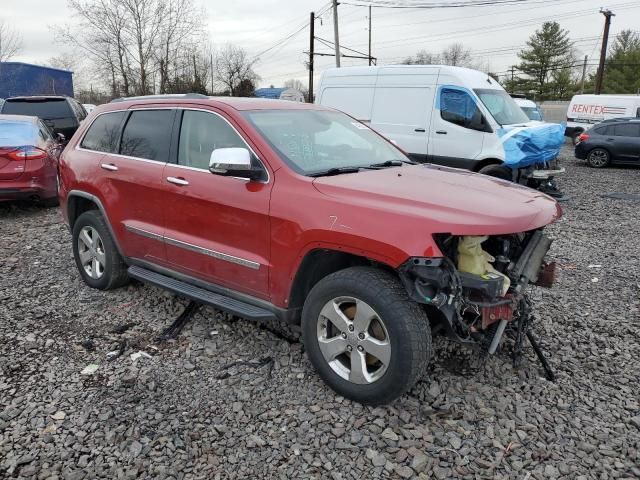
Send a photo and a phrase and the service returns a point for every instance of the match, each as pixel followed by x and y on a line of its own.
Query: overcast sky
pixel 494 33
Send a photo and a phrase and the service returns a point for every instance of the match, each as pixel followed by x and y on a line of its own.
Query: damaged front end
pixel 479 286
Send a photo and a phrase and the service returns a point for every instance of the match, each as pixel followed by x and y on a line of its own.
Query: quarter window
pixel 200 134
pixel 103 133
pixel 459 107
pixel 147 135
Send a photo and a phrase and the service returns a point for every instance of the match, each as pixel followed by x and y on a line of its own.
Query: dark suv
pixel 62 115
pixel 612 141
pixel 272 210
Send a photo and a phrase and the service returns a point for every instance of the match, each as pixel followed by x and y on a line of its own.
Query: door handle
pixel 422 130
pixel 441 132
pixel 109 166
pixel 177 181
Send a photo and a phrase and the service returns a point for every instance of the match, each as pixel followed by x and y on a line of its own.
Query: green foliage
pixel 622 68
pixel 547 63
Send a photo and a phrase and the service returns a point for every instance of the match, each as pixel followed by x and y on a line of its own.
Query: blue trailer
pixel 17 79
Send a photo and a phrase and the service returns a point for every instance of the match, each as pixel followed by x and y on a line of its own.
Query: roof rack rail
pixel 161 97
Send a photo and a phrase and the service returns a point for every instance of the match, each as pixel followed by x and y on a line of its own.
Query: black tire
pixel 114 273
pixel 497 171
pixel 598 158
pixel 406 323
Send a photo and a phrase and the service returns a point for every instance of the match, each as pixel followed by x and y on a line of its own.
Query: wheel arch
pixel 316 265
pixel 485 163
pixel 79 202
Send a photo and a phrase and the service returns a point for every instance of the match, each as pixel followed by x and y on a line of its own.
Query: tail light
pixel 583 137
pixel 27 153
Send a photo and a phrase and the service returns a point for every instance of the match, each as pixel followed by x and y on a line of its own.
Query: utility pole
pixel 211 73
pixel 312 20
pixel 370 58
pixel 603 52
pixel 336 38
pixel 584 73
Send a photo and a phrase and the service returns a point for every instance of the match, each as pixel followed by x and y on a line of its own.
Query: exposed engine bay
pixel 480 287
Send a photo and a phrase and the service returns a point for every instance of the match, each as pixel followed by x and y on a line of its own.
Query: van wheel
pixel 365 337
pixel 497 171
pixel 96 255
pixel 598 158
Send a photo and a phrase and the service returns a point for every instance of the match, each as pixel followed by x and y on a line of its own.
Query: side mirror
pixel 60 138
pixel 233 162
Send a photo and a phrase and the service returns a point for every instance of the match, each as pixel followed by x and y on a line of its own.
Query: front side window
pixel 627 130
pixel 147 135
pixel 200 134
pixel 103 133
pixel 501 106
pixel 459 108
pixel 314 141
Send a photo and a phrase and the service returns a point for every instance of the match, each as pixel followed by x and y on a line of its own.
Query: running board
pixel 227 304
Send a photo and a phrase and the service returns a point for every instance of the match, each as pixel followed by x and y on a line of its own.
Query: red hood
pixel 453 201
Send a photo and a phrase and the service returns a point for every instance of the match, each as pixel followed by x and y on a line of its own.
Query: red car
pixel 28 160
pixel 279 210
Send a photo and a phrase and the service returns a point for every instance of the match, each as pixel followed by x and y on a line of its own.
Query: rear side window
pixel 604 130
pixel 147 135
pixel 459 107
pixel 627 130
pixel 200 134
pixel 103 133
pixel 50 109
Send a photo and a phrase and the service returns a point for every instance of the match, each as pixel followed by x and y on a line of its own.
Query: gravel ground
pixel 229 399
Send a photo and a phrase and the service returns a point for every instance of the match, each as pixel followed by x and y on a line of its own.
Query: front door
pixel 216 227
pixel 455 135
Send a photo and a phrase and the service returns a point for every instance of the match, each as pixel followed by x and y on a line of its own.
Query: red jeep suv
pixel 279 210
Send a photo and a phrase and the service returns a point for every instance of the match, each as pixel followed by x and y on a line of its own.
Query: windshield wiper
pixel 335 171
pixel 390 163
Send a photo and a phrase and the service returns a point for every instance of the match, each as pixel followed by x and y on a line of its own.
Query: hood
pixel 447 200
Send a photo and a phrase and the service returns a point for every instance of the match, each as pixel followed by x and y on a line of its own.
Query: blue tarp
pixel 525 146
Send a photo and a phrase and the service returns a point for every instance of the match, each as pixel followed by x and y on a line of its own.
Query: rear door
pixel 216 227
pixel 131 181
pixel 626 141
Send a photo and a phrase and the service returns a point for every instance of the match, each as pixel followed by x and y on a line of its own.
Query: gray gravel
pixel 189 411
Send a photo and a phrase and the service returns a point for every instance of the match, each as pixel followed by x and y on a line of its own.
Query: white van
pixel 529 107
pixel 440 114
pixel 586 110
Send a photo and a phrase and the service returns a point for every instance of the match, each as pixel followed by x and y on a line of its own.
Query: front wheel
pixel 365 337
pixel 497 171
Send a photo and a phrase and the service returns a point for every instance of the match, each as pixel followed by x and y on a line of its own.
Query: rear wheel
pixel 598 158
pixel 96 255
pixel 497 171
pixel 365 337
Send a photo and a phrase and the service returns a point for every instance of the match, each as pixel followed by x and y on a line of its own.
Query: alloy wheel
pixel 91 252
pixel 353 340
pixel 598 158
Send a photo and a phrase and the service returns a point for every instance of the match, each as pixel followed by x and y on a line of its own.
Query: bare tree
pixel 10 41
pixel 234 70
pixel 423 58
pixel 457 55
pixel 298 85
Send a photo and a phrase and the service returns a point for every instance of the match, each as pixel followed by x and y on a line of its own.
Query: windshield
pixel 314 141
pixel 15 134
pixel 532 112
pixel 47 109
pixel 501 106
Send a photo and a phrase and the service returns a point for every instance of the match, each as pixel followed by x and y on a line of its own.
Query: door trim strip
pixel 194 248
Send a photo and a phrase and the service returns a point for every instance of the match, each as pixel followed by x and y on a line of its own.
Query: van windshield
pixel 502 107
pixel 532 112
pixel 316 141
